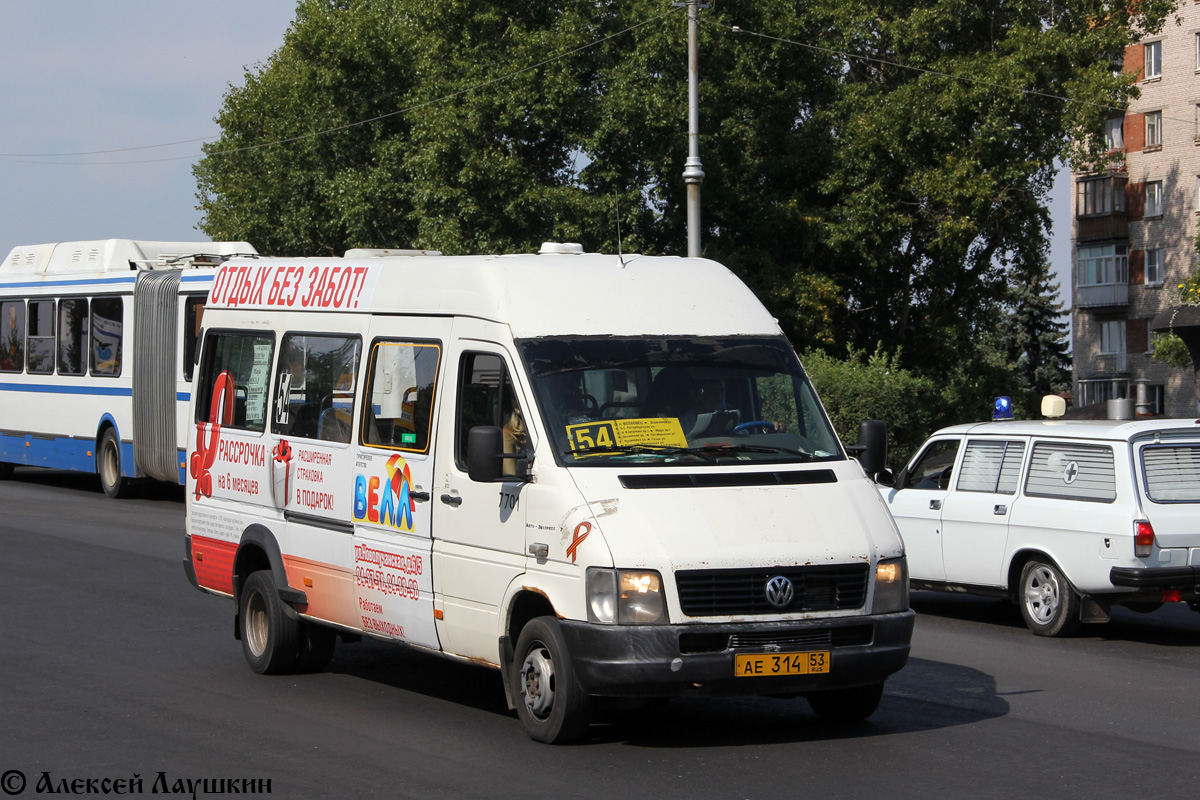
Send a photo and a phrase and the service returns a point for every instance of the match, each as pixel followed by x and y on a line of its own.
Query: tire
pixel 270 639
pixel 552 705
pixel 108 466
pixel 1143 606
pixel 1048 602
pixel 6 470
pixel 846 705
pixel 314 647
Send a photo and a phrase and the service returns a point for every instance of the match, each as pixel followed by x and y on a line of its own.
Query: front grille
pixel 722 592
pixel 776 641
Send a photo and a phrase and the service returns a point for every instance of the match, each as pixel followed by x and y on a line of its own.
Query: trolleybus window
pixel 193 316
pixel 40 344
pixel 12 335
pixel 72 336
pixel 107 332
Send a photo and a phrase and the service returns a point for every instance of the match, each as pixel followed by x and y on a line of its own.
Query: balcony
pixel 1103 295
pixel 1102 226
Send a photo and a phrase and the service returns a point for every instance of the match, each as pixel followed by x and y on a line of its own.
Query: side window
pixel 932 470
pixel 193 316
pixel 991 466
pixel 1072 472
pixel 12 336
pixel 72 336
pixel 235 379
pixel 316 380
pixel 107 334
pixel 1172 472
pixel 486 397
pixel 399 397
pixel 40 342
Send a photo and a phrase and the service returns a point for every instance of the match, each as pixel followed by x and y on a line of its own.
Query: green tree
pixel 1035 340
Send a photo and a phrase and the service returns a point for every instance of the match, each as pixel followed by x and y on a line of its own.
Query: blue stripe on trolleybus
pixel 49 388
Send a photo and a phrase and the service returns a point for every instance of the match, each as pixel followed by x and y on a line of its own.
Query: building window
pixel 1096 196
pixel 1112 337
pixel 1153 129
pixel 1103 264
pixel 1154 266
pixel 1154 199
pixel 1114 131
pixel 1098 391
pixel 1153 60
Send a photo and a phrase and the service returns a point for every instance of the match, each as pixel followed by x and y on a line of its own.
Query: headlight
pixel 625 597
pixel 891 586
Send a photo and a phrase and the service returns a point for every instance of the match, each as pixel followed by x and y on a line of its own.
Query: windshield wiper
pixel 756 448
pixel 642 449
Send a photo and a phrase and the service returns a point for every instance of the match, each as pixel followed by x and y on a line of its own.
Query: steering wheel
pixel 760 425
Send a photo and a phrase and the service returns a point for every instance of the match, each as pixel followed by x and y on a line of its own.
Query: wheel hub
pixel 537 676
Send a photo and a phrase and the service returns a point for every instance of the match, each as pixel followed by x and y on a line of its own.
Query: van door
pixel 976 514
pixel 393 478
pixel 480 526
pixel 917 507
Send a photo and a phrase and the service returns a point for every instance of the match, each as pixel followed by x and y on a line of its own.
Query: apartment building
pixel 1134 227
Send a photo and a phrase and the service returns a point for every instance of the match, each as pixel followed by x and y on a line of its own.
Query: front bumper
pixel 666 660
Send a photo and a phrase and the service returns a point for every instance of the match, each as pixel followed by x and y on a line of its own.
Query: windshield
pixel 676 401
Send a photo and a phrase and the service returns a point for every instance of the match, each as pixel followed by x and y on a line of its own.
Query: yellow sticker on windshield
pixel 653 431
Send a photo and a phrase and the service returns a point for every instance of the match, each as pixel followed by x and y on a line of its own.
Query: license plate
pixel 764 665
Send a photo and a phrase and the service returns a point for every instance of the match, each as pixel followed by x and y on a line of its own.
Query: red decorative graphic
pixel 577 538
pixel 220 413
pixel 283 454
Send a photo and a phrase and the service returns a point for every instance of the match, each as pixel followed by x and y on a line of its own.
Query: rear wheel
pixel 846 705
pixel 552 705
pixel 108 466
pixel 314 647
pixel 1049 603
pixel 270 639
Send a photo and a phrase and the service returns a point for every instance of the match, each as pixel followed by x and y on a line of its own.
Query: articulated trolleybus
pixel 96 355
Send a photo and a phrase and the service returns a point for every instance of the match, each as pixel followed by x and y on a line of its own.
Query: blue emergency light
pixel 1003 409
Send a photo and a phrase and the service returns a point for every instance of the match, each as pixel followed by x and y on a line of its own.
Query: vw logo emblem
pixel 779 592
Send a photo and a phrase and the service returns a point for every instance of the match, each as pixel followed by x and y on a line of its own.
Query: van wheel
pixel 269 636
pixel 552 705
pixel 1048 601
pixel 314 647
pixel 108 466
pixel 846 705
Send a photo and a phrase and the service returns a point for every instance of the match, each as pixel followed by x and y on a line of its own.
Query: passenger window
pixel 486 397
pixel 237 373
pixel 932 470
pixel 12 336
pixel 991 466
pixel 317 379
pixel 40 344
pixel 107 333
pixel 400 390
pixel 1072 472
pixel 72 336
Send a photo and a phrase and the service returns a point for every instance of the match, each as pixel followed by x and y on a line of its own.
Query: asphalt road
pixel 112 666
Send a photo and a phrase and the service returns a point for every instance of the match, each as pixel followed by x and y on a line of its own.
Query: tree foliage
pixel 876 172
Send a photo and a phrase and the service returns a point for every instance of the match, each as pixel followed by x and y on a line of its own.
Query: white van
pixel 1065 518
pixel 604 476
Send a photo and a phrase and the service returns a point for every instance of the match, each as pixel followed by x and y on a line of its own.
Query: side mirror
pixel 486 456
pixel 872 437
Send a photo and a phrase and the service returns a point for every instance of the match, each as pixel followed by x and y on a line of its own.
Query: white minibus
pixel 605 476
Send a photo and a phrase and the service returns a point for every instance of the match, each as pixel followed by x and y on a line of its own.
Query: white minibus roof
pixel 549 294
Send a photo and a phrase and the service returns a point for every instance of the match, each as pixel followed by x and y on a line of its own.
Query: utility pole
pixel 693 174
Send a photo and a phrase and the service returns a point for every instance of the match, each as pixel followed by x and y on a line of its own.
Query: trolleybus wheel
pixel 108 466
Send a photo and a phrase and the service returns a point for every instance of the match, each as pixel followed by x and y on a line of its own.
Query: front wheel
pixel 269 636
pixel 846 705
pixel 552 705
pixel 108 466
pixel 1049 603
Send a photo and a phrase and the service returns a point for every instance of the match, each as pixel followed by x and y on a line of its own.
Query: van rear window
pixel 1172 473
pixel 1072 471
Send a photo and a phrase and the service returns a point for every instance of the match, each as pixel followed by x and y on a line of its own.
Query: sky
pixel 82 76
